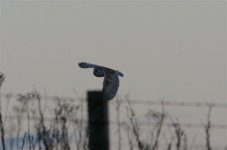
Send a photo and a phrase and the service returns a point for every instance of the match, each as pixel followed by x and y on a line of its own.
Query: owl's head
pixel 98 72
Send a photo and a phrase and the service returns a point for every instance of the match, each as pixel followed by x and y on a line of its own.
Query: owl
pixel 111 80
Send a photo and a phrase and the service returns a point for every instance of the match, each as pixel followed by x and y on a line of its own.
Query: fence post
pixel 98 121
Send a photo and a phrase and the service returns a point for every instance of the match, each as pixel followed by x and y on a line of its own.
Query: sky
pixel 174 50
pixel 166 49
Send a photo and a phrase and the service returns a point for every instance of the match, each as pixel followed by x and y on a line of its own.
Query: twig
pixel 2 132
pixel 118 104
pixel 155 146
pixel 207 129
pixel 2 78
pixel 134 124
pixel 23 141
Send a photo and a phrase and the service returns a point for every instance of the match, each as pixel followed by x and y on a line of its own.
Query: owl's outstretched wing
pixel 87 65
pixel 110 84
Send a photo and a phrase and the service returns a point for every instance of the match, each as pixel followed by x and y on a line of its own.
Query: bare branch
pixel 207 129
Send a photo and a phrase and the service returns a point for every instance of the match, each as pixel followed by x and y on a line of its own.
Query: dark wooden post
pixel 98 121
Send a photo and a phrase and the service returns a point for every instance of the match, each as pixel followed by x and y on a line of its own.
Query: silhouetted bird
pixel 111 80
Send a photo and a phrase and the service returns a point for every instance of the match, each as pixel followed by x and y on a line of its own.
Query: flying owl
pixel 111 80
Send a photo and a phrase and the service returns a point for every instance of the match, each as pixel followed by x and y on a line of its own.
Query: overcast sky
pixel 170 49
pixel 166 49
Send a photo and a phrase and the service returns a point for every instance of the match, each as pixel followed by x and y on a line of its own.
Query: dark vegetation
pixel 34 122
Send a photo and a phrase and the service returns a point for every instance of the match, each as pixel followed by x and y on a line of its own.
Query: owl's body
pixel 111 80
